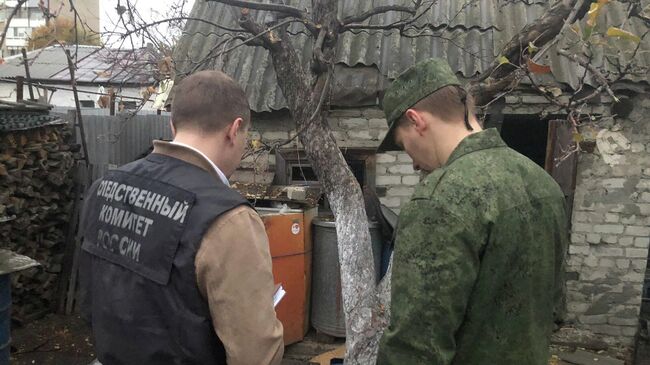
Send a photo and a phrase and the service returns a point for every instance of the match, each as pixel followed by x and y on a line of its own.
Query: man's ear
pixel 234 128
pixel 416 118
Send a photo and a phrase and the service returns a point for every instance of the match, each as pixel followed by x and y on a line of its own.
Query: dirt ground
pixel 66 340
pixel 53 340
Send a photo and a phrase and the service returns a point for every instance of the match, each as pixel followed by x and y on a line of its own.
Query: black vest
pixel 143 225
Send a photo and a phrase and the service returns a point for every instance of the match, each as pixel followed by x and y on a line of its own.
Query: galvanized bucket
pixel 327 314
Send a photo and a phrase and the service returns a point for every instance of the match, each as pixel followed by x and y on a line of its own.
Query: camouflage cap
pixel 409 87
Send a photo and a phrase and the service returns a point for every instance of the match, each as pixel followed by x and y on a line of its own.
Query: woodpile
pixel 36 201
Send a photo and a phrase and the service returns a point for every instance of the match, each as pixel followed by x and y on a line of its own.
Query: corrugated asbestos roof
pixel 16 120
pixel 95 65
pixel 469 34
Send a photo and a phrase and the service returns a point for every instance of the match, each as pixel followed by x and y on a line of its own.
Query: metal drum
pixel 327 314
pixel 5 318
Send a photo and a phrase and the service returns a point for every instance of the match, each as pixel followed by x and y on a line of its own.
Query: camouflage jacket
pixel 478 264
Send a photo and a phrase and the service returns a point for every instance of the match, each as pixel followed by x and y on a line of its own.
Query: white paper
pixel 278 295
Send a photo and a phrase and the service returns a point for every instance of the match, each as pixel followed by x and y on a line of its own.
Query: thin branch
pixel 376 11
pixel 585 63
pixel 279 8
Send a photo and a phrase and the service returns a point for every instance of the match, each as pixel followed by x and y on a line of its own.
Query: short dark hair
pixel 445 103
pixel 208 101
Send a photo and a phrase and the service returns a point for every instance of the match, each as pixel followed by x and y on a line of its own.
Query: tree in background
pixel 61 30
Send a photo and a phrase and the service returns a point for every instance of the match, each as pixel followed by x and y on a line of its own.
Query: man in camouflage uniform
pixel 480 247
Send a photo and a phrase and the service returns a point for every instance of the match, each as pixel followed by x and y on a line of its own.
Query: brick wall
pixel 611 228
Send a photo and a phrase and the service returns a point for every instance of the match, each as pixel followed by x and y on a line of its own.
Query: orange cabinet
pixel 290 245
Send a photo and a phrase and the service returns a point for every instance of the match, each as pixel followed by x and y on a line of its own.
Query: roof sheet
pixel 16 120
pixel 94 65
pixel 468 33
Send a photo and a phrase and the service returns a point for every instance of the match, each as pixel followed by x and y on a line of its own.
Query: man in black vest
pixel 176 266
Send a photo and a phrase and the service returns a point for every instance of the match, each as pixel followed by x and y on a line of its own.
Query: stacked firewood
pixel 36 201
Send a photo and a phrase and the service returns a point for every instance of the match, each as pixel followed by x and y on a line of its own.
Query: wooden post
pixel 29 78
pixel 20 81
pixel 73 81
pixel 111 98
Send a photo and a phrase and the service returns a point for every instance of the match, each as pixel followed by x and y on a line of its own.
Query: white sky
pixel 151 10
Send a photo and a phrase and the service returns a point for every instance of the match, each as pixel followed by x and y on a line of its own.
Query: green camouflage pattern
pixel 411 86
pixel 478 262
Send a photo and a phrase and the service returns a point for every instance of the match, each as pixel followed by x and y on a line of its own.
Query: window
pixel 293 167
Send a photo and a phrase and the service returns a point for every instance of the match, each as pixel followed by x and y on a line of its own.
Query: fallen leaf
pixel 536 68
pixel 503 60
pixel 532 48
pixel 614 32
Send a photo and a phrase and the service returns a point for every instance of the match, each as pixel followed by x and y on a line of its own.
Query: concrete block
pixel 609 228
pixel 628 219
pixel 403 157
pixel 626 241
pixel 582 227
pixel 637 231
pixel 591 261
pixel 391 202
pixel 643 184
pixel 644 209
pixel 611 217
pixel 353 123
pixel 377 124
pixel 362 135
pixel 617 183
pixel 576 237
pixel 598 319
pixel 623 264
pixel 623 321
pixel 603 251
pixel 606 263
pixel 578 250
pixel 644 197
pixel 400 191
pixel 593 238
pixel 401 169
pixel 610 239
pixel 388 180
pixel 606 329
pixel 385 158
pixel 642 242
pixel 411 180
pixel 639 264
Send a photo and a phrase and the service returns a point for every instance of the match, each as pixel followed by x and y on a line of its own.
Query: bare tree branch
pixel 585 63
pixel 376 11
pixel 8 21
pixel 279 8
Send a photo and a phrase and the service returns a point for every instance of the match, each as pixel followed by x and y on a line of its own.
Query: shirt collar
pixel 482 140
pixel 202 155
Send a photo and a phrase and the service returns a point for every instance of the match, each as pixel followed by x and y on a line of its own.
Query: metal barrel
pixel 327 314
pixel 5 318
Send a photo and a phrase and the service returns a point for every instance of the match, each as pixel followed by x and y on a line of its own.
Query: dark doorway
pixel 526 134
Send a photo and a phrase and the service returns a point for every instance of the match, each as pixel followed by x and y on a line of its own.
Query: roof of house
pixel 469 34
pixel 95 65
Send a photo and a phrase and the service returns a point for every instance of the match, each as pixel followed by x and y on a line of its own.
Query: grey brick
pixel 582 227
pixel 578 250
pixel 598 319
pixel 400 191
pixel 609 228
pixel 639 264
pixel 385 158
pixel 623 321
pixel 623 264
pixel 593 238
pixel 608 263
pixel 401 169
pixel 637 231
pixel 611 217
pixel 353 123
pixel 377 124
pixel 362 135
pixel 411 180
pixel 613 183
pixel 610 239
pixel 626 241
pixel 602 251
pixel 403 157
pixel 392 202
pixel 606 329
pixel 642 242
pixel 388 180
pixel 578 238
pixel 629 331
